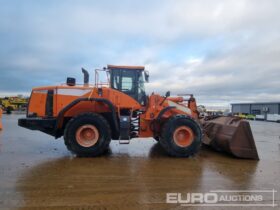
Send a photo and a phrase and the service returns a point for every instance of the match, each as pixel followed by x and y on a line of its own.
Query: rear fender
pixel 63 113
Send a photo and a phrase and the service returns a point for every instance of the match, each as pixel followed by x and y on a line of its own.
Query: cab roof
pixel 126 67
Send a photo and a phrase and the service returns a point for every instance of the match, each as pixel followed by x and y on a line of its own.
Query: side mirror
pixel 167 94
pixel 147 75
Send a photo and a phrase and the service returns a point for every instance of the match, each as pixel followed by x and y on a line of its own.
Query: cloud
pixel 222 51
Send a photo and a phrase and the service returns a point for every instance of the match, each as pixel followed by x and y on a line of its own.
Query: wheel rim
pixel 183 136
pixel 87 135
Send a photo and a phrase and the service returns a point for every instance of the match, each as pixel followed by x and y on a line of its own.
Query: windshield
pixel 141 83
pixel 141 89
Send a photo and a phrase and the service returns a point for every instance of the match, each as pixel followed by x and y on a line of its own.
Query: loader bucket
pixel 231 135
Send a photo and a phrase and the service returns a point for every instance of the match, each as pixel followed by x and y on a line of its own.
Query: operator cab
pixel 129 80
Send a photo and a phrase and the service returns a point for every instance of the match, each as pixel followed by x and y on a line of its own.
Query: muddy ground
pixel 38 172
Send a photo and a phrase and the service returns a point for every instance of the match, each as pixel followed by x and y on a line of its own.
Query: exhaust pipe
pixel 86 77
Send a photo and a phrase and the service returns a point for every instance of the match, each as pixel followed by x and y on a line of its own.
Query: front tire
pixel 181 136
pixel 87 135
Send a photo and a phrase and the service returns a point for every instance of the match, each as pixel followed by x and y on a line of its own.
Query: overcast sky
pixel 222 51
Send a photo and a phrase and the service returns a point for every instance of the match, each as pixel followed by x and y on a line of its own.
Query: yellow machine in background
pixel 246 116
pixel 10 104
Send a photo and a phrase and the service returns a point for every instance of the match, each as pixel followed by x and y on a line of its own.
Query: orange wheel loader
pixel 90 116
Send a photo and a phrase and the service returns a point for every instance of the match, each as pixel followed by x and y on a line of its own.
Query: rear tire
pixel 87 135
pixel 181 136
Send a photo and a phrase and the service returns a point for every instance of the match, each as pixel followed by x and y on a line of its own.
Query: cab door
pixel 125 81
